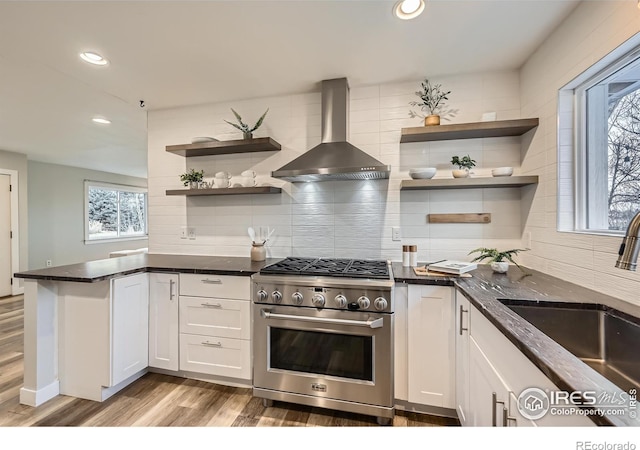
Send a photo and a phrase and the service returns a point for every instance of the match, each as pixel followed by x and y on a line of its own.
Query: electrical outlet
pixel 49 263
pixel 191 232
pixel 395 233
pixel 183 232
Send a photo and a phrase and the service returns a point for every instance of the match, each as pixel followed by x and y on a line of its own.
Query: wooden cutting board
pixel 422 270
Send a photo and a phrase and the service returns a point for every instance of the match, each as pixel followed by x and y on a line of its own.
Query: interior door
pixel 5 235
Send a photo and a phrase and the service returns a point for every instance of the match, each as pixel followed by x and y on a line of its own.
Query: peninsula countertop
pixel 103 269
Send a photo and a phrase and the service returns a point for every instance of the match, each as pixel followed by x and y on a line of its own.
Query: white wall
pixel 345 218
pixel 18 162
pixel 56 215
pixel 593 30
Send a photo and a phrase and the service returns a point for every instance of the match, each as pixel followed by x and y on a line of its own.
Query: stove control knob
pixel 262 295
pixel 317 300
pixel 363 302
pixel 296 298
pixel 380 303
pixel 276 296
pixel 340 301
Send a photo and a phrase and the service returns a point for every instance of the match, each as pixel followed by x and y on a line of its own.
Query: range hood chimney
pixel 334 158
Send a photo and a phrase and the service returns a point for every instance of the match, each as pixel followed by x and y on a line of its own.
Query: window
pixel 115 212
pixel 608 146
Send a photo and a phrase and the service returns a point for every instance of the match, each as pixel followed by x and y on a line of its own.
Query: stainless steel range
pixel 323 334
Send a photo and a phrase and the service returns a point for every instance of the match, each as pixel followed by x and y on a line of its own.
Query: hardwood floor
pixel 157 400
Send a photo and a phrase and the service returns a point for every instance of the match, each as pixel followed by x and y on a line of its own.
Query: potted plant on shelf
pixel 464 165
pixel 192 178
pixel 499 260
pixel 431 101
pixel 247 133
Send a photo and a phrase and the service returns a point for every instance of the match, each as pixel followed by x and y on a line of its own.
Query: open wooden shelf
pixel 468 183
pixel 227 191
pixel 498 128
pixel 265 144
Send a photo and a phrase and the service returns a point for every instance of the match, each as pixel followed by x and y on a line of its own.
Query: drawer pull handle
pixel 171 285
pixel 212 344
pixel 211 305
pixel 210 281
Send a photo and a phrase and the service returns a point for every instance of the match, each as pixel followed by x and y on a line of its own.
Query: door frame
pixel 15 228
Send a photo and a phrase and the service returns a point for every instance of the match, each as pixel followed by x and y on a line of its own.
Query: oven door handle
pixel 371 323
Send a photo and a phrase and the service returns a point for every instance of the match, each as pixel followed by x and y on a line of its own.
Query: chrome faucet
pixel 630 247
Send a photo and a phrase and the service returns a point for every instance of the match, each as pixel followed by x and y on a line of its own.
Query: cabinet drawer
pixel 215 317
pixel 221 286
pixel 216 356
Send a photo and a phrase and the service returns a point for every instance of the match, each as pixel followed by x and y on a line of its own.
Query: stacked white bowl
pixel 248 178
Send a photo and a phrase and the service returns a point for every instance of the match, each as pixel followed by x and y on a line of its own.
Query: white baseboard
pixel 30 397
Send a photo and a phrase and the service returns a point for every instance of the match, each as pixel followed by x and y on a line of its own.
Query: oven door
pixel 342 355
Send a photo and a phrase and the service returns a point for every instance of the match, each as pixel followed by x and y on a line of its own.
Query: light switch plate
pixel 183 232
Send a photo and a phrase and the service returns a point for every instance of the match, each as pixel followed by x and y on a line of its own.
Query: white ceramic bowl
pixel 502 172
pixel 422 173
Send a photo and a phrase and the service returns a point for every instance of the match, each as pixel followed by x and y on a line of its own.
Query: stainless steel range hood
pixel 334 158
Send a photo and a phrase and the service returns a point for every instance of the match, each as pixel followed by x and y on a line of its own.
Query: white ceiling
pixel 173 53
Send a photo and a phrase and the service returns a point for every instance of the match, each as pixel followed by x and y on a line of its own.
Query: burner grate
pixel 352 268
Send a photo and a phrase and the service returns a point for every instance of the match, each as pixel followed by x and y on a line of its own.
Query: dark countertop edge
pixel 105 269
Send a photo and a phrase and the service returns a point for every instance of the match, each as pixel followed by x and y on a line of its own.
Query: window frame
pixel 120 188
pixel 576 103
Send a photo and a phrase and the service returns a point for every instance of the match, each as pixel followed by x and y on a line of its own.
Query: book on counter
pixel 449 266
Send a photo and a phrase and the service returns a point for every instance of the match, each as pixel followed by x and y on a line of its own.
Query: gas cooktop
pixel 351 268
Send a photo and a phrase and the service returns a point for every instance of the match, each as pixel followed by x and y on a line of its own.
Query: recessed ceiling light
pixel 93 58
pixel 101 120
pixel 408 9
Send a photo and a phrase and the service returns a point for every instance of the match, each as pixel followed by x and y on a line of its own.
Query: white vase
pixel 460 173
pixel 500 267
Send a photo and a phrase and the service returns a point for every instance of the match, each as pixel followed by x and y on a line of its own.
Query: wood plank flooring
pixel 157 400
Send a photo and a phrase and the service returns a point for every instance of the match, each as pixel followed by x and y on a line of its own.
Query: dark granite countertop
pixel 103 269
pixel 485 288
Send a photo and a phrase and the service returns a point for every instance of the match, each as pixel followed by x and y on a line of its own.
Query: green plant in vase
pixel 247 132
pixel 432 98
pixel 499 260
pixel 464 165
pixel 193 178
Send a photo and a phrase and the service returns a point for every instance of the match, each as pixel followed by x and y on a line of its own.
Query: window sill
pixel 108 241
pixel 616 234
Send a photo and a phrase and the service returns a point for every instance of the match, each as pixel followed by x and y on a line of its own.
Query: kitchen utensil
pixel 252 234
pixel 269 233
pixel 420 173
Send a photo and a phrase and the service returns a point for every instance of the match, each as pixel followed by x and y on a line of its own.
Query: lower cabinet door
pixel 216 356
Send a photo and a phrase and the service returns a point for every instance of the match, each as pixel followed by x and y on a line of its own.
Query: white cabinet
pixel 129 326
pixel 498 372
pixel 462 326
pixel 103 335
pixel 431 346
pixel 215 325
pixel 163 321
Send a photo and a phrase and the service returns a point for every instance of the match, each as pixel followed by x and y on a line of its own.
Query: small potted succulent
pixel 499 260
pixel 431 101
pixel 464 165
pixel 193 178
pixel 247 132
